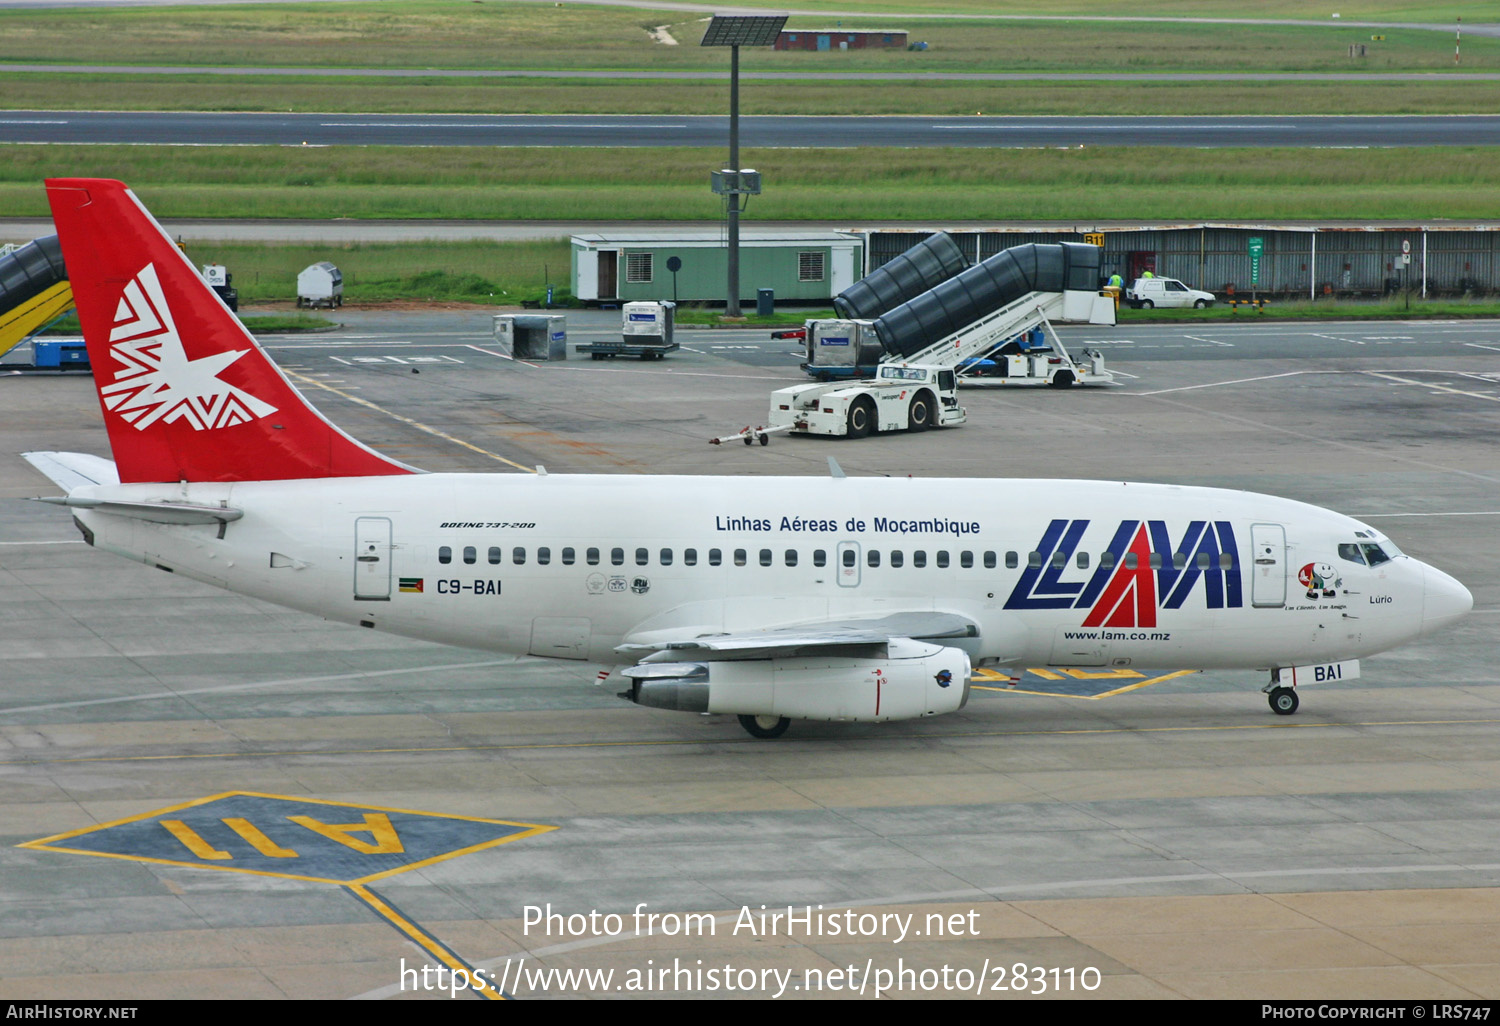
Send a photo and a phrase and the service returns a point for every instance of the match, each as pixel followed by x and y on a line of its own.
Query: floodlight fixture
pixel 735 31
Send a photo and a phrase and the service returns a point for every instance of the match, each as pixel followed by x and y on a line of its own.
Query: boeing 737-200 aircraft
pixel 836 599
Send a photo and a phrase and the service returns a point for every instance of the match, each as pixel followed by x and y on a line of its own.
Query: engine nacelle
pixel 916 678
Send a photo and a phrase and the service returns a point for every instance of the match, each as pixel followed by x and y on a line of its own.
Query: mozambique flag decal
pixel 412 584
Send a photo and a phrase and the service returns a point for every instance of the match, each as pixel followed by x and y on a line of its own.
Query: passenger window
pixel 989 561
pixel 1033 559
pixel 1226 561
pixel 715 557
pixel 470 555
pixel 689 557
pixel 1106 560
pixel 617 557
pixel 1059 560
pixel 1012 560
pixel 666 557
pixel 642 557
pixel 897 559
pixel 1131 560
pixel 591 556
pixel 1155 561
pixel 568 555
pixel 919 558
pixel 518 555
pixel 791 557
pixel 1179 560
pixel 494 554
pixel 1351 552
pixel 848 557
pixel 765 557
pixel 873 557
pixel 445 554
pixel 966 559
pixel 942 559
pixel 820 557
pixel 740 558
pixel 543 556
pixel 1082 561
pixel 1202 561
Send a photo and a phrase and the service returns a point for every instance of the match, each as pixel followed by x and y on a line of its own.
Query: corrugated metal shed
pixel 1298 258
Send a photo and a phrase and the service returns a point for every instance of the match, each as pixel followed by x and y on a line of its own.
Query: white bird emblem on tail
pixel 158 381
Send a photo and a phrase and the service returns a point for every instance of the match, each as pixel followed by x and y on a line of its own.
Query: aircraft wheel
pixel 919 416
pixel 765 727
pixel 861 419
pixel 1284 701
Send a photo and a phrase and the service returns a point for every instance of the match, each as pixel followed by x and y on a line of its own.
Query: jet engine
pixel 916 678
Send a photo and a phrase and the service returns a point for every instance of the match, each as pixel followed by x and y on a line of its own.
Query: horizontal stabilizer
pixel 70 470
pixel 155 512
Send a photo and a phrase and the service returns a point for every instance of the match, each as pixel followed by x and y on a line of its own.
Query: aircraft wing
pixel 859 633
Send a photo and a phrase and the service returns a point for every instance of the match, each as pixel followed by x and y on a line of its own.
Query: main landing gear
pixel 765 727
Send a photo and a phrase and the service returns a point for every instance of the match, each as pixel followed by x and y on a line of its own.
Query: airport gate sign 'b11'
pixel 1127 590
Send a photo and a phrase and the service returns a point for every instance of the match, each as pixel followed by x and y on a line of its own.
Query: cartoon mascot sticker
pixel 1320 579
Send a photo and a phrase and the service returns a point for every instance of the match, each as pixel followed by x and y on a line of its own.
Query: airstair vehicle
pixel 34 291
pixel 988 324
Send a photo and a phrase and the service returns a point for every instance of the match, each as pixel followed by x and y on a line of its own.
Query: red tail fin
pixel 187 393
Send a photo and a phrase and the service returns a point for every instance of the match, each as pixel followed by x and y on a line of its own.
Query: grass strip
pixel 54 91
pixel 465 35
pixel 928 185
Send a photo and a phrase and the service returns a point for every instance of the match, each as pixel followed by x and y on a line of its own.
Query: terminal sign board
pixel 1257 246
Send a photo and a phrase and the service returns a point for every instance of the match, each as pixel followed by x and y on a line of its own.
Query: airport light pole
pixel 735 31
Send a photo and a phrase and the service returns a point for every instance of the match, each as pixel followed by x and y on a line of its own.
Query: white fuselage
pixel 573 566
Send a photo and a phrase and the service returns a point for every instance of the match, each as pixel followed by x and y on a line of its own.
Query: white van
pixel 1165 292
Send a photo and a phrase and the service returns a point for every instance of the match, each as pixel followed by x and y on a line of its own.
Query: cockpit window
pixel 1374 553
pixel 1351 552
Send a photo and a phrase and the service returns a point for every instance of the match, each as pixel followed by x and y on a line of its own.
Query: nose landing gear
pixel 1283 699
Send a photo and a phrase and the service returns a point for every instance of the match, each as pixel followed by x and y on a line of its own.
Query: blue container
pixel 59 354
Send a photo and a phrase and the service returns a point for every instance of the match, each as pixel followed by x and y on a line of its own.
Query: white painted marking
pixel 228 688
pixel 1436 389
pixel 477 124
pixel 1216 384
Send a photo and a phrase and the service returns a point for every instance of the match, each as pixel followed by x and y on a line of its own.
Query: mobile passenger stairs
pixel 935 327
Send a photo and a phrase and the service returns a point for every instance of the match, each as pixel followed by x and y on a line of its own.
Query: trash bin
pixel 765 302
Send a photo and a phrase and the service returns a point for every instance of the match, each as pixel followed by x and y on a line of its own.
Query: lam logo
pixel 1142 572
pixel 157 381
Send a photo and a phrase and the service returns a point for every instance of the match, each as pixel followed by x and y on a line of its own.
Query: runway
pixel 1171 840
pixel 276 129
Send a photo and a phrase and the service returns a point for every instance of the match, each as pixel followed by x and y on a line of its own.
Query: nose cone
pixel 1444 600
